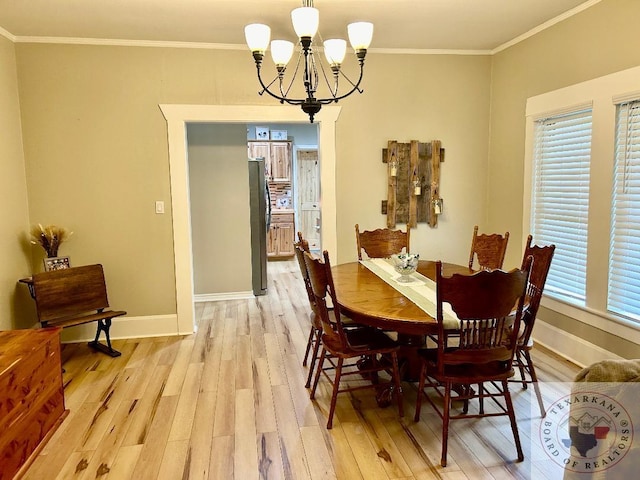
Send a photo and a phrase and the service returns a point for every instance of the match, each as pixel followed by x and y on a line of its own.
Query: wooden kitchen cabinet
pixel 281 235
pixel 281 161
pixel 277 158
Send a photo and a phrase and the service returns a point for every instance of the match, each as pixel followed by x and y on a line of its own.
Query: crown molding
pixel 129 43
pixel 427 51
pixel 7 35
pixel 227 46
pixel 545 25
pixel 220 46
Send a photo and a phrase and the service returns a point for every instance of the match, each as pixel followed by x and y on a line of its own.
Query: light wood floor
pixel 229 403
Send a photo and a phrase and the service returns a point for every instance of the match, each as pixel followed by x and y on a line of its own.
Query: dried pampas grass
pixel 49 238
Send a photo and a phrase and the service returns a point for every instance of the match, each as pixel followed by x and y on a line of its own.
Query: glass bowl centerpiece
pixel 405 264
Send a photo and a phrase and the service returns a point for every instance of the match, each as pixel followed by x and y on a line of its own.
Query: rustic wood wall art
pixel 413 173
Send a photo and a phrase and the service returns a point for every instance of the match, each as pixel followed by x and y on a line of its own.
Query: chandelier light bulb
pixel 335 50
pixel 281 52
pixel 360 35
pixel 305 21
pixel 257 36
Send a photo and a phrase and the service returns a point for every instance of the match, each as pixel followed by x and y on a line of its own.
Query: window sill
pixel 608 322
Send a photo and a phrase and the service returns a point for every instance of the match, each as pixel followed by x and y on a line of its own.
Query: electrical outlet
pixel 159 206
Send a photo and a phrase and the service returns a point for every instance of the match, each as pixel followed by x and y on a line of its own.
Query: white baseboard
pixel 573 348
pixel 125 327
pixel 569 346
pixel 217 297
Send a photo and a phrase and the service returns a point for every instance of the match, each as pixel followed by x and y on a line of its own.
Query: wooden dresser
pixel 31 395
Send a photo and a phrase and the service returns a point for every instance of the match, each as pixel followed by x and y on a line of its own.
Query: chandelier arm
pixel 284 92
pixel 310 92
pixel 282 99
pixel 351 82
pixel 293 77
pixel 266 88
pixel 356 87
pixel 334 90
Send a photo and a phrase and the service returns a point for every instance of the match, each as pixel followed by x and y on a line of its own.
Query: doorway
pixel 295 187
pixel 177 116
pixel 309 210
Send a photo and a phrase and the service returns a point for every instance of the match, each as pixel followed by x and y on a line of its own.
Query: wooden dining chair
pixel 541 256
pixel 315 330
pixel 382 242
pixel 484 349
pixel 340 344
pixel 489 249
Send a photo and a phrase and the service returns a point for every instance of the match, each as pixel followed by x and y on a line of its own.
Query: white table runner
pixel 421 290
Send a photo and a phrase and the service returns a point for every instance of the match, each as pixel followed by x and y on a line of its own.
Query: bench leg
pixel 104 326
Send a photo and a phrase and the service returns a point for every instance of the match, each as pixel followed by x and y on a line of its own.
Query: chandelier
pixel 305 23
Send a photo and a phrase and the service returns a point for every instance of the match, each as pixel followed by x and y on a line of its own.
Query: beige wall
pixel 601 40
pixel 416 97
pixel 219 199
pixel 16 307
pixel 96 149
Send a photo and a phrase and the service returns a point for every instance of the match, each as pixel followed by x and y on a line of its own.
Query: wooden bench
pixel 74 296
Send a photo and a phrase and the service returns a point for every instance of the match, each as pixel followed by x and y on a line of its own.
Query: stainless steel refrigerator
pixel 260 217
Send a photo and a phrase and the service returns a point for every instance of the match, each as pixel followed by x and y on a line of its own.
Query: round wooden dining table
pixel 367 299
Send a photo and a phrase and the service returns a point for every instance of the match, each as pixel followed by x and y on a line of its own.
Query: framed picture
pixel 262 133
pixel 278 134
pixel 56 263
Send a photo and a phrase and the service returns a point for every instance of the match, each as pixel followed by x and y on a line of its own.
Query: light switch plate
pixel 159 206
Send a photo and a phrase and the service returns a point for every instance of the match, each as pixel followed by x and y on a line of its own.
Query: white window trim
pixel 601 94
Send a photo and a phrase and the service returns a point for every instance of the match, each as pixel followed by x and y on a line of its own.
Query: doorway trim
pixel 177 117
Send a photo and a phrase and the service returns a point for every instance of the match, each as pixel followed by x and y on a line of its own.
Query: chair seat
pixel 465 373
pixel 349 323
pixel 363 339
pixel 346 321
pixel 342 345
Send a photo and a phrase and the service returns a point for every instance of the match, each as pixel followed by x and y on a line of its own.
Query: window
pixel 560 198
pixel 624 256
pixel 582 161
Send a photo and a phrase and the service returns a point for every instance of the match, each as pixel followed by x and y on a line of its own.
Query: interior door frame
pixel 296 168
pixel 177 117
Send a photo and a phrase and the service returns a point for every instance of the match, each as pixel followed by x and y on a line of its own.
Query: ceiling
pixel 467 25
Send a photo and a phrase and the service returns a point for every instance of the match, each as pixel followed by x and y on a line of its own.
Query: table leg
pixel 409 364
pixel 408 357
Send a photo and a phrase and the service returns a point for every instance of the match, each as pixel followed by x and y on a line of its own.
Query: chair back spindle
pixel 484 303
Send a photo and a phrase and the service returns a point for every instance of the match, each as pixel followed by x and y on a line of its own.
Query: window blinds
pixel 560 201
pixel 624 256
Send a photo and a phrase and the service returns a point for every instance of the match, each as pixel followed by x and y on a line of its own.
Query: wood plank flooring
pixel 229 402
